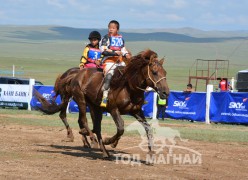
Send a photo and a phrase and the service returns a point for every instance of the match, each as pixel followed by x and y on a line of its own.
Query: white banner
pixel 14 93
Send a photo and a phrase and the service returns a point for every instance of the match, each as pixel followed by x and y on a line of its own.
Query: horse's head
pixel 156 76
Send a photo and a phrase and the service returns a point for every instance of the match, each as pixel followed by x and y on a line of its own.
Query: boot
pixel 106 90
pixel 104 99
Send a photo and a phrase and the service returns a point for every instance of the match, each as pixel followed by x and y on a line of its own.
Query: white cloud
pixel 178 4
pixel 174 17
pixel 56 3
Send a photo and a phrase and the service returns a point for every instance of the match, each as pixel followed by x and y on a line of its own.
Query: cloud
pixel 56 3
pixel 178 4
pixel 174 17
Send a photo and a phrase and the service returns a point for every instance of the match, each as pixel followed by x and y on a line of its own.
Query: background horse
pixel 126 95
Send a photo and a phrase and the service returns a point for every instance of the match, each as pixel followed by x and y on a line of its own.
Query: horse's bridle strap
pixel 149 76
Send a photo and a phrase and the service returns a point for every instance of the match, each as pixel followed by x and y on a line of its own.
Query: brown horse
pixel 126 94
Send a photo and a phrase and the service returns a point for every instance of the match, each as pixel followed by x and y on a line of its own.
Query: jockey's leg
pixel 108 71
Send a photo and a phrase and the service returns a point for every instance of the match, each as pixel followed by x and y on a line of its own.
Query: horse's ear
pixel 162 61
pixel 152 57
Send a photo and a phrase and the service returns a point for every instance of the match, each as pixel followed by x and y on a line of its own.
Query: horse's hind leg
pixel 95 118
pixel 83 132
pixel 62 115
pixel 80 100
pixel 96 115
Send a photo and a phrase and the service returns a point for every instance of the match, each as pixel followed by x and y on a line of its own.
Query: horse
pixel 126 95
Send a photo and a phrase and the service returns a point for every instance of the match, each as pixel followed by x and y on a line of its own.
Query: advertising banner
pixel 148 106
pixel 190 106
pixel 226 107
pixel 14 96
pixel 47 92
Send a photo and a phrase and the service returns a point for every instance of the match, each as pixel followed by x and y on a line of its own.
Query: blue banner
pixel 47 92
pixel 190 106
pixel 73 107
pixel 148 106
pixel 226 107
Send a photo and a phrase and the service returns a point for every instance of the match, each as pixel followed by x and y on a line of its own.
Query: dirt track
pixel 31 152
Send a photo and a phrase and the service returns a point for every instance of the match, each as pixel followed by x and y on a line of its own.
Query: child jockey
pixel 112 48
pixel 91 55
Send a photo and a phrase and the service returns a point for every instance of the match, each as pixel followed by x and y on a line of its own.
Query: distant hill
pixel 169 35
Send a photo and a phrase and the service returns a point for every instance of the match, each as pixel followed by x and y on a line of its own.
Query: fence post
pixel 232 84
pixel 210 88
pixel 154 109
pixel 31 85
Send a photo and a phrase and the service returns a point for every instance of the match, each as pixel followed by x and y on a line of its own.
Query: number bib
pixel 116 43
pixel 94 54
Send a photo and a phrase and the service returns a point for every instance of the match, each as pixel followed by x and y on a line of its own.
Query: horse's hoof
pixel 83 132
pixel 86 146
pixel 106 141
pixel 106 156
pixel 94 145
pixel 113 145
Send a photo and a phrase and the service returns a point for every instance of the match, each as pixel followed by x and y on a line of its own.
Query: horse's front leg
pixel 149 133
pixel 120 129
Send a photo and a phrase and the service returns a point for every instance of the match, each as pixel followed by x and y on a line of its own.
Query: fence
pixel 222 107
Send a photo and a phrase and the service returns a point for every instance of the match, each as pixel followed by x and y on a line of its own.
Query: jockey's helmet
pixel 95 34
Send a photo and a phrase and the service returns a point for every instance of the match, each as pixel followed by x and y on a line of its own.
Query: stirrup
pixel 104 102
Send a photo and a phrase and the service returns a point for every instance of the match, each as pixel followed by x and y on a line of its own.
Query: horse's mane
pixel 131 73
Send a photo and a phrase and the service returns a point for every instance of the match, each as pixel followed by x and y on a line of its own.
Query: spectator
pixel 189 88
pixel 229 87
pixel 223 85
pixel 161 107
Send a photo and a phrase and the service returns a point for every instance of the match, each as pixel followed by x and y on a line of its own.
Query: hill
pixel 43 52
pixel 169 35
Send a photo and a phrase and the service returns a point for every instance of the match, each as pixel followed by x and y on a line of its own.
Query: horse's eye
pixel 154 72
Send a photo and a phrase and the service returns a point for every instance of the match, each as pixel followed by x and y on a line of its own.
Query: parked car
pixel 15 80
pixel 242 81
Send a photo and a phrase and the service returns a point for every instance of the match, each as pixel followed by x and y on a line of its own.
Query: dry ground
pixel 31 152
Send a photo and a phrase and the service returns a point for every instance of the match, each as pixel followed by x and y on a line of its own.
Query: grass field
pixel 44 59
pixel 193 131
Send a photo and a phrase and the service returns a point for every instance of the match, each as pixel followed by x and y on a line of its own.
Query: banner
pixel 14 96
pixel 47 92
pixel 190 106
pixel 73 107
pixel 148 106
pixel 226 107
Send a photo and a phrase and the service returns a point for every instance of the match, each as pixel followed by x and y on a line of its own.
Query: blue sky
pixel 201 14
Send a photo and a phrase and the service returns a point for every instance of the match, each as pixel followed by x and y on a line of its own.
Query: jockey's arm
pixel 125 52
pixel 84 57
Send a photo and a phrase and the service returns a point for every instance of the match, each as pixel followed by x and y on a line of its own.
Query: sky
pixel 225 15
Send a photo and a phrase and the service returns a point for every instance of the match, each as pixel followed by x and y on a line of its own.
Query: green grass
pixel 193 131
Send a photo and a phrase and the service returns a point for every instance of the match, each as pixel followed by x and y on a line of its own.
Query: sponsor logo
pixel 180 104
pixel 165 148
pixel 237 105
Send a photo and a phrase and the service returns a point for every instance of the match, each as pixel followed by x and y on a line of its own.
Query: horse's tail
pixel 46 106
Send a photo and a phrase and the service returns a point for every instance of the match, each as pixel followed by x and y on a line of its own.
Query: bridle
pixel 150 78
pixel 154 82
